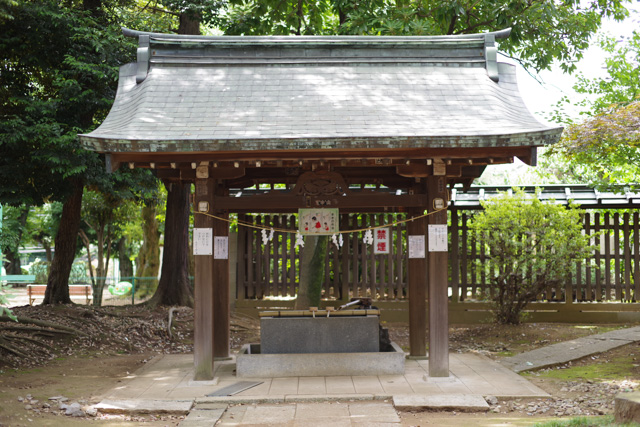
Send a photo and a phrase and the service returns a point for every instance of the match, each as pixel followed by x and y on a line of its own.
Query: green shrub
pixel 531 245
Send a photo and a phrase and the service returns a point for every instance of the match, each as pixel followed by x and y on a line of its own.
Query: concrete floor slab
pixel 340 385
pixel 269 414
pixel 302 398
pixel 202 418
pixel 321 410
pixel 311 385
pixel 367 385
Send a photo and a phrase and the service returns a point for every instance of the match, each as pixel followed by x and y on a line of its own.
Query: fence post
pixel 133 291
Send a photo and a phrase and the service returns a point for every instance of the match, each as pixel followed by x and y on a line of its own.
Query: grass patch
pixel 616 369
pixel 607 420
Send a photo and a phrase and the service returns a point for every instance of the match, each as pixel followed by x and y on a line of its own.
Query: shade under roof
pixel 203 94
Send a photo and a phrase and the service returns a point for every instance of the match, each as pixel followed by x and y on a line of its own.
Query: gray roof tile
pixel 343 104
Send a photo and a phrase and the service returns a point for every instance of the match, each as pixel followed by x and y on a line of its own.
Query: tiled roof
pixel 576 194
pixel 288 93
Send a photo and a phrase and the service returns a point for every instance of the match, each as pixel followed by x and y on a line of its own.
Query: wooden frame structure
pixel 362 124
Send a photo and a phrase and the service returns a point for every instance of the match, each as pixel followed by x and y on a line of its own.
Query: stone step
pixel 143 406
pixel 442 402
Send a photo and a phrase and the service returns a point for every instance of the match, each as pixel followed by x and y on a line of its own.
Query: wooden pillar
pixel 221 303
pixel 203 288
pixel 438 277
pixel 417 273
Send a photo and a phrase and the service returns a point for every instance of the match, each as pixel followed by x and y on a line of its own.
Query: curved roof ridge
pixel 501 34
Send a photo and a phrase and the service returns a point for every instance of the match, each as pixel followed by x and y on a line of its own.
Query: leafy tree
pixel 531 245
pixel 42 227
pixel 58 73
pixel 13 225
pixel 109 206
pixel 542 31
pixel 603 149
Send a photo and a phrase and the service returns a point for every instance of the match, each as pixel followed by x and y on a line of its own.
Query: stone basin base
pixel 251 364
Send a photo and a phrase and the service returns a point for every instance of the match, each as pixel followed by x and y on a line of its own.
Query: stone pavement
pixel 164 385
pixel 557 354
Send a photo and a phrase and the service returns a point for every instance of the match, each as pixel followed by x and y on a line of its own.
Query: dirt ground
pixel 111 343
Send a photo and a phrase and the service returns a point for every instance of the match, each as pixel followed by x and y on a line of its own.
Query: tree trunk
pixel 174 287
pixel 65 248
pixel 13 265
pixel 312 269
pixel 47 250
pixel 124 258
pixel 189 24
pixel 148 262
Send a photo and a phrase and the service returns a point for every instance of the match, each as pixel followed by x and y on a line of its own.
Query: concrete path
pixel 557 354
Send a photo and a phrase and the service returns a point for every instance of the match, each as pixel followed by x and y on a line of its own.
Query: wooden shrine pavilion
pixel 361 124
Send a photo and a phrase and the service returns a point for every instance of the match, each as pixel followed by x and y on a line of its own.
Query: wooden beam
pixel 438 277
pixel 221 303
pixel 417 278
pixel 296 156
pixel 203 334
pixel 277 202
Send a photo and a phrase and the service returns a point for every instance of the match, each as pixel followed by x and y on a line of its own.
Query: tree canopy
pixel 603 150
pixel 542 31
pixel 58 74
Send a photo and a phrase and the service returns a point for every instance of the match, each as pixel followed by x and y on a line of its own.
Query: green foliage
pixel 620 86
pixel 42 225
pixel 58 77
pixel 542 32
pixel 603 150
pixel 276 17
pixel 531 245
pixel 9 235
pixel 4 311
pixel 40 269
pixel 78 273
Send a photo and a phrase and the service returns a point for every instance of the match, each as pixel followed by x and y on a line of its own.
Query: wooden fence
pixel 272 270
pixel 610 274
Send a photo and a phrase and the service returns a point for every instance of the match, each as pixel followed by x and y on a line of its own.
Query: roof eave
pixel 360 143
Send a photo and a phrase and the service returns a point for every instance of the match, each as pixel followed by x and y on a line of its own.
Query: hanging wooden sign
pixel 318 221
